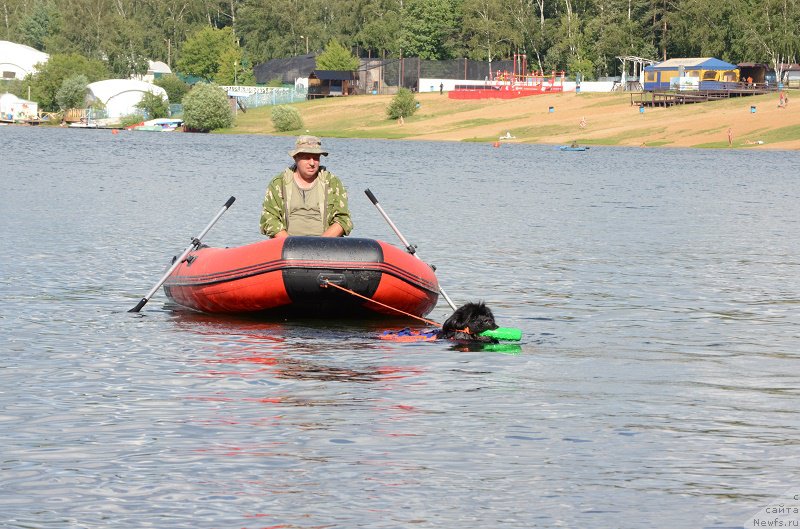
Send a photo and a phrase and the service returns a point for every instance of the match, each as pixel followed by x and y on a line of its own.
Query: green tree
pixel 530 20
pixel 770 30
pixel 50 76
pixel 153 106
pixel 612 32
pixel 282 28
pixel 113 31
pixel 585 67
pixel 206 108
pixel 336 57
pixel 124 49
pixel 72 93
pixel 38 25
pixel 204 52
pixel 488 29
pixel 402 105
pixel 430 28
pixel 175 87
pixel 233 69
pixel 381 24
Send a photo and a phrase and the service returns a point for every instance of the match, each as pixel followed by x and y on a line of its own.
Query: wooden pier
pixel 668 98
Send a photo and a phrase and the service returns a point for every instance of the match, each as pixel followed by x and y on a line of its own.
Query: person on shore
pixel 730 137
pixel 441 88
pixel 306 199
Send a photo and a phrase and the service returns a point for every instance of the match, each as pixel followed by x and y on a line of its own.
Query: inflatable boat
pixel 340 277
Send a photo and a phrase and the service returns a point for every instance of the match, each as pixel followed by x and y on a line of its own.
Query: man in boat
pixel 306 199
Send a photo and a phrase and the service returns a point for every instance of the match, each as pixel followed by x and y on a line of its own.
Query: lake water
pixel 657 383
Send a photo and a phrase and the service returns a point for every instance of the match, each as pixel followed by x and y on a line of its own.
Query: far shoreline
pixel 588 119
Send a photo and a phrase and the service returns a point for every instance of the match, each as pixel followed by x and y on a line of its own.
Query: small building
pixel 19 60
pixel 791 75
pixel 758 72
pixel 13 109
pixel 705 73
pixel 331 83
pixel 120 96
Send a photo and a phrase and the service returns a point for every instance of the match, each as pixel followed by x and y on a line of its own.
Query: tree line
pixel 578 36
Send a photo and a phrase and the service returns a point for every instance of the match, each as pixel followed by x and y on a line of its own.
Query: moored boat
pixel 160 125
pixel 575 148
pixel 340 277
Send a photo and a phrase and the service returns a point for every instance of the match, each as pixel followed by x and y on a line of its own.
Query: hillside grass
pixel 610 118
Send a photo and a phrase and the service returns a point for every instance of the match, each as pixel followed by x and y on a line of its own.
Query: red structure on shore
pixel 510 85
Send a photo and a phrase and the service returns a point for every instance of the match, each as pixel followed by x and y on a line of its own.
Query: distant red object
pixel 511 85
pixel 505 93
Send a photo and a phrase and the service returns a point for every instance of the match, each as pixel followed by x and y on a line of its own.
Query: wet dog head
pixel 468 321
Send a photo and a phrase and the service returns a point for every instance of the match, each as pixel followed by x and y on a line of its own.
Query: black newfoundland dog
pixel 468 322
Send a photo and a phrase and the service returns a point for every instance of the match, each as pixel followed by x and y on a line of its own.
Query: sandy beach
pixel 587 118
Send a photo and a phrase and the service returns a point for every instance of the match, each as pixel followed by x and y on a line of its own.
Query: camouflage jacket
pixel 274 210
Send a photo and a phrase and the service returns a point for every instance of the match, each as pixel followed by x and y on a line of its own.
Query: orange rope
pixel 430 322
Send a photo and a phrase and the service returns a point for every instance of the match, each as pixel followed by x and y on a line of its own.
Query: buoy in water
pixel 114 131
pixel 496 144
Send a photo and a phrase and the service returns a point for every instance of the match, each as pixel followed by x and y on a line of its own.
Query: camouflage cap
pixel 308 144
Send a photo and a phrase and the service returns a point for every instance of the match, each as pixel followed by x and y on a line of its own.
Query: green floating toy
pixel 504 334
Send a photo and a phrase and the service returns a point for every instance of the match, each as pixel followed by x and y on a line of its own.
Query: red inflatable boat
pixel 338 277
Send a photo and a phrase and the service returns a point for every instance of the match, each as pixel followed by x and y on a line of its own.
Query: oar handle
pixel 195 244
pixel 410 248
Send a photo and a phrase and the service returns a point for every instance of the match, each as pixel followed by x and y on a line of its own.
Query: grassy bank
pixel 589 119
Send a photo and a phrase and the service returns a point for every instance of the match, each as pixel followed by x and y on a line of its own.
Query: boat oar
pixel 409 248
pixel 194 246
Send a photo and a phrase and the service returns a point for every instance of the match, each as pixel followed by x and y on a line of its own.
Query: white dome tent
pixel 120 96
pixel 19 60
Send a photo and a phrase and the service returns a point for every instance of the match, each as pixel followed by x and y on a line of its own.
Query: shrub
pixel 286 118
pixel 206 108
pixel 72 93
pixel 174 86
pixel 153 106
pixel 402 105
pixel 130 120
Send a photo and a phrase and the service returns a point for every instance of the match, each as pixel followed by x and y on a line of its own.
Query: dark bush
pixel 402 105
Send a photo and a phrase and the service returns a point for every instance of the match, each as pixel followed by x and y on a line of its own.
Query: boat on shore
pixel 338 277
pixel 160 125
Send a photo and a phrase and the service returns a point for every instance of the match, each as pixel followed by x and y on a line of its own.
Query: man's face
pixel 307 164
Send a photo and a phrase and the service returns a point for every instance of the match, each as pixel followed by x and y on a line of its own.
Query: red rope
pixel 326 283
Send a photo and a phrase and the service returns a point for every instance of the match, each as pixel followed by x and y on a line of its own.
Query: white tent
pixel 155 70
pixel 13 108
pixel 120 96
pixel 18 60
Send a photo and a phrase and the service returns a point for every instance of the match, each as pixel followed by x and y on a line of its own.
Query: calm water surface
pixel 657 384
